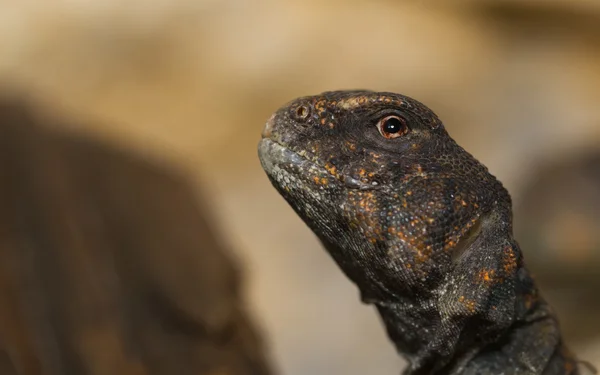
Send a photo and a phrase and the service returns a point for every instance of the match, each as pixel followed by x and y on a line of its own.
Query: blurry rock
pixel 558 218
pixel 109 264
pixel 557 222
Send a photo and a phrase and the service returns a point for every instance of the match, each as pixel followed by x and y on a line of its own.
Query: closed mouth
pixel 275 155
pixel 272 153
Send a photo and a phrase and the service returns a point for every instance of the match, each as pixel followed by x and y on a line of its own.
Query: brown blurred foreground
pixel 108 264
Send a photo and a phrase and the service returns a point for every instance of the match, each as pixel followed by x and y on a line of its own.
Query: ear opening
pixel 462 247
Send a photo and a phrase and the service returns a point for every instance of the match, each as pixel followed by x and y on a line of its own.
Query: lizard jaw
pixel 299 180
pixel 275 157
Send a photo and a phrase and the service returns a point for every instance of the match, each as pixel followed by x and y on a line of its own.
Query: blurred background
pixel 192 83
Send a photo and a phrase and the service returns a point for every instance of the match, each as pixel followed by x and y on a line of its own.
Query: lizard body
pixel 420 226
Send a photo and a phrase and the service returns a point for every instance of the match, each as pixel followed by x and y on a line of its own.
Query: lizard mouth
pixel 275 157
pixel 273 154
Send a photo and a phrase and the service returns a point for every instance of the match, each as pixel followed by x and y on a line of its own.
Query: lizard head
pixel 417 223
pixel 379 180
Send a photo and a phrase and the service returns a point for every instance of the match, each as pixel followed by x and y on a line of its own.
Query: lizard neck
pixel 477 313
pixel 531 343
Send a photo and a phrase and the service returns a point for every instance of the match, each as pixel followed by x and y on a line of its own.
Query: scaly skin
pixel 421 228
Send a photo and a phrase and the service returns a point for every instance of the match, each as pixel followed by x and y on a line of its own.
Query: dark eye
pixel 392 127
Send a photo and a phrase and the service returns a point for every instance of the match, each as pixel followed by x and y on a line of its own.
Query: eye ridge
pixel 392 126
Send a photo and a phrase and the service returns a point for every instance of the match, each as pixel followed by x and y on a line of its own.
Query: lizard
pixel 420 227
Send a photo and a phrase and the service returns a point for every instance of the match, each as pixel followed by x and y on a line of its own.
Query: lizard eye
pixel 392 127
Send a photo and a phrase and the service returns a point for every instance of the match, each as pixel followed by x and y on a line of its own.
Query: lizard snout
pixel 268 130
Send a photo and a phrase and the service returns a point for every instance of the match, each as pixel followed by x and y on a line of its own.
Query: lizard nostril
pixel 302 112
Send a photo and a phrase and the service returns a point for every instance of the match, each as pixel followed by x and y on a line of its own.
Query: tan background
pixel 193 82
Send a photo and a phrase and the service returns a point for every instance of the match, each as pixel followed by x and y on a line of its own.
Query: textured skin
pixel 421 228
